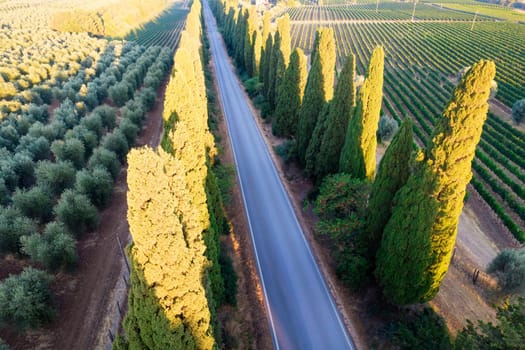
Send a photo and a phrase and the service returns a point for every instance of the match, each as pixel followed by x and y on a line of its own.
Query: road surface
pixel 301 310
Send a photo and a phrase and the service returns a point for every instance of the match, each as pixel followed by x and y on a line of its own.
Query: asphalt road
pixel 301 310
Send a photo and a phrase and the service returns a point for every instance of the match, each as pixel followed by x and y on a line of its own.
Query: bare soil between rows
pixel 83 297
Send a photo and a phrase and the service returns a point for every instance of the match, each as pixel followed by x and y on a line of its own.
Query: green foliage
pixel 106 159
pixel 76 212
pixel 24 168
pixel 508 334
pixel 55 176
pixel 14 225
pixel 318 90
pixel 108 116
pixel 509 268
pixel 25 299
pixel 341 207
pixel 419 238
pixel 3 345
pixel 96 184
pixel 230 279
pixel 314 146
pixel 423 329
pixel 518 111
pixel 35 203
pixel 290 95
pixel 69 150
pixel 129 130
pixel 358 156
pixel 120 93
pixel 387 128
pixel 342 108
pixel 116 142
pixel 225 179
pixel 285 150
pixel 392 174
pixel 55 248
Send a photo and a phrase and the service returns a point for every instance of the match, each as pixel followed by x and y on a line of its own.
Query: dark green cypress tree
pixel 392 174
pixel 251 28
pixel 419 238
pixel 358 156
pixel 319 89
pixel 341 111
pixel 280 58
pixel 315 143
pixel 290 95
pixel 265 64
pixel 240 33
pixel 263 69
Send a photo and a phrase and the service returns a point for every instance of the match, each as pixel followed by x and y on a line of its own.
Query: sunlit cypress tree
pixel 319 89
pixel 315 143
pixel 263 67
pixel 358 156
pixel 256 49
pixel 290 95
pixel 167 302
pixel 392 174
pixel 418 240
pixel 337 123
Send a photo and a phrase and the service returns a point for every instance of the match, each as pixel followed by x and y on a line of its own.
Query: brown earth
pixel 82 297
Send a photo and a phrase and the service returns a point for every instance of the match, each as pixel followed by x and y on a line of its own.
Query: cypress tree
pixel 251 28
pixel 256 49
pixel 315 143
pixel 337 123
pixel 280 58
pixel 418 240
pixel 240 33
pixel 358 156
pixel 167 301
pixel 265 64
pixel 290 95
pixel 319 89
pixel 263 69
pixel 392 174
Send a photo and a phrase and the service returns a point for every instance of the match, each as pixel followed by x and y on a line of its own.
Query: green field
pixel 163 31
pixel 505 13
pixel 422 64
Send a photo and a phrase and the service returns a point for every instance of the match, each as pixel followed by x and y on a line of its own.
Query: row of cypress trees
pixel 416 199
pixel 175 216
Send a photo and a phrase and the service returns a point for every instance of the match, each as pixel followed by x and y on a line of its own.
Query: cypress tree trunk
pixel 342 110
pixel 418 240
pixel 319 89
pixel 358 156
pixel 392 174
pixel 290 95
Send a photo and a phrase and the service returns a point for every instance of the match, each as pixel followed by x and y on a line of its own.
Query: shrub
pixel 71 150
pixel 147 98
pixel 38 113
pixel 96 184
pixel 133 111
pixel 14 225
pixel 108 116
pixel 55 248
pixel 76 212
pixel 93 123
pixel 518 111
pixel 421 330
pixel 7 170
pixel 230 279
pixel 25 300
pixel 509 268
pixel 38 147
pixel 119 93
pixel 24 169
pixel 67 113
pixel 285 150
pixel 36 203
pixel 387 128
pixel 129 130
pixel 106 159
pixel 88 138
pixel 55 176
pixel 116 142
pixel 5 197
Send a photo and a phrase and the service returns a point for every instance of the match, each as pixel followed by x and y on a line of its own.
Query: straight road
pixel 301 310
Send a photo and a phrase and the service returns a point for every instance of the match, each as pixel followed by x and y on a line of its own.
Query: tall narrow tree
pixel 418 240
pixel 263 69
pixel 319 89
pixel 341 111
pixel 280 58
pixel 290 95
pixel 315 143
pixel 358 156
pixel 251 28
pixel 256 49
pixel 265 64
pixel 392 174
